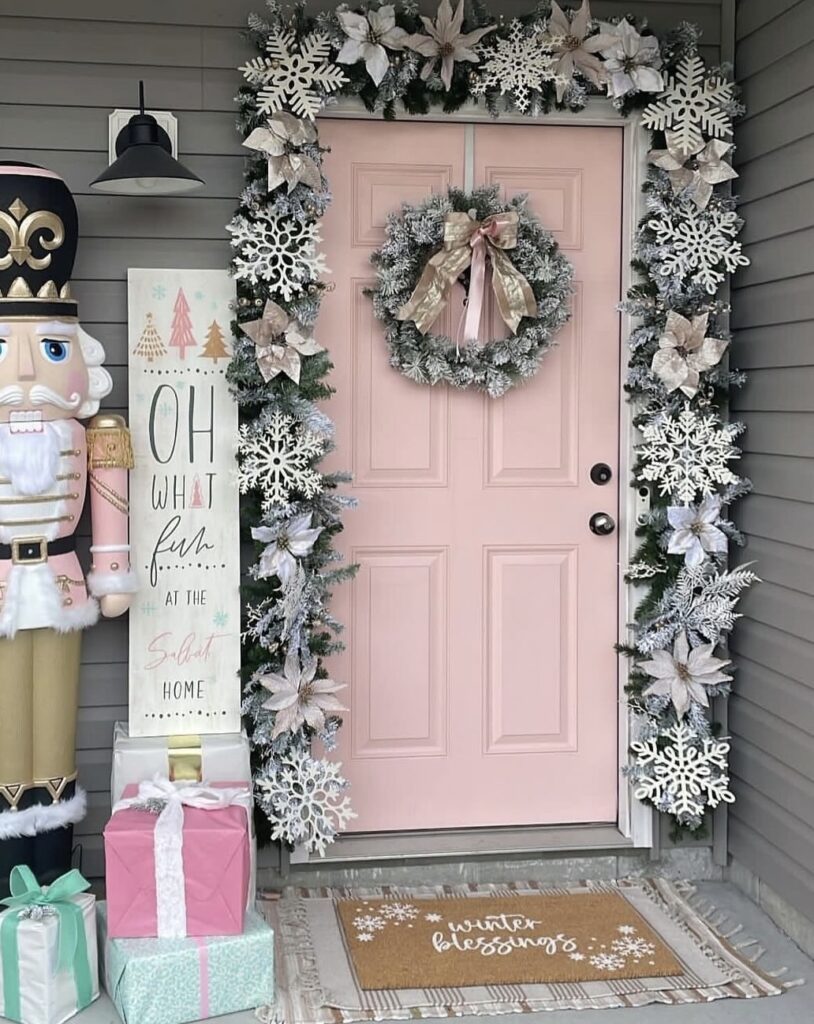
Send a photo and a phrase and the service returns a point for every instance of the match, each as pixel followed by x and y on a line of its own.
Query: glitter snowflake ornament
pixel 275 458
pixel 287 78
pixel 684 777
pixel 692 105
pixel 700 245
pixel 517 64
pixel 688 454
pixel 304 798
pixel 280 251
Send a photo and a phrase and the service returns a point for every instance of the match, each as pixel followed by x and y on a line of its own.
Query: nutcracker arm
pixel 110 458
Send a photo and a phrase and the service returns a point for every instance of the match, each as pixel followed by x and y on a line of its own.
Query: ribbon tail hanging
pixel 515 299
pixel 477 289
pixel 430 295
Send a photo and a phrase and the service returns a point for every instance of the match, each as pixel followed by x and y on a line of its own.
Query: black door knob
pixel 601 473
pixel 601 524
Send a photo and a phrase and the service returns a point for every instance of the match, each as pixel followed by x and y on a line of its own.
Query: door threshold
pixel 474 842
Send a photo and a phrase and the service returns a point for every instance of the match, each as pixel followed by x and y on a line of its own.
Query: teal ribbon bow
pixel 73 942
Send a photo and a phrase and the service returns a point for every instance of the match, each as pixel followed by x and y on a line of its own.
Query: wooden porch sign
pixel 184 533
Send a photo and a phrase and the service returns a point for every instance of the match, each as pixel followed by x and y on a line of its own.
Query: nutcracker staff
pixel 51 377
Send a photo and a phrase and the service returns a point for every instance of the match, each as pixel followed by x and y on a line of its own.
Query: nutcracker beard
pixel 30 457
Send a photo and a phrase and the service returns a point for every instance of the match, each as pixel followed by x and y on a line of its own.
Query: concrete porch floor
pixel 796 1006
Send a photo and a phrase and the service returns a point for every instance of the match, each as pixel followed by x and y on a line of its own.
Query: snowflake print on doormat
pixel 298 80
pixel 700 245
pixel 518 65
pixel 690 106
pixel 688 454
pixel 607 961
pixel 683 777
pixel 368 922
pixel 633 946
pixel 398 911
pixel 278 250
pixel 275 457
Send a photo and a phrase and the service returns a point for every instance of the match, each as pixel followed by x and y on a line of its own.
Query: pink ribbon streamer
pixel 477 280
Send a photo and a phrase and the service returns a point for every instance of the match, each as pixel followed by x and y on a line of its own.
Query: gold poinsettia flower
pixel 574 49
pixel 445 42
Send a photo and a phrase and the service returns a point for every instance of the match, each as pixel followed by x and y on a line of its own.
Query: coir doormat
pixel 393 954
pixel 529 939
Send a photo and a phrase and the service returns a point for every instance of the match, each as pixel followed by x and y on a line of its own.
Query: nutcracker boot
pixel 16 830
pixel 52 848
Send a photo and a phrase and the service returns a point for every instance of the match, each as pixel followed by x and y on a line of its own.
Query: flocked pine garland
pixel 678 378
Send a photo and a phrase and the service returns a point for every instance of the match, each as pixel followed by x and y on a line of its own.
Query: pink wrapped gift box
pixel 215 862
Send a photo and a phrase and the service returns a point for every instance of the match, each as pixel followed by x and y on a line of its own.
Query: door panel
pixel 480 628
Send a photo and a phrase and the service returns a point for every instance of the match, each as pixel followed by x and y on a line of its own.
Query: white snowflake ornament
pixel 684 778
pixel 298 80
pixel 688 454
pixel 281 251
pixel 517 64
pixel 701 245
pixel 275 459
pixel 692 105
pixel 305 801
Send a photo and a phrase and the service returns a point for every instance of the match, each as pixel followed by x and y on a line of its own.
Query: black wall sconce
pixel 144 164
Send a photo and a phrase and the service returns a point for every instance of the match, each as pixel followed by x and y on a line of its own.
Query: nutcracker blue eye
pixel 55 351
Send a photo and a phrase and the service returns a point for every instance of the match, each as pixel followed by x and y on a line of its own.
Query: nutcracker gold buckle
pixel 29 550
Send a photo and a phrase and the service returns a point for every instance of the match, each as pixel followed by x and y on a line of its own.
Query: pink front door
pixel 480 629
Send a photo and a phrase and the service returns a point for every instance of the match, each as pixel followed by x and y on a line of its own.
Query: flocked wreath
pixel 423 248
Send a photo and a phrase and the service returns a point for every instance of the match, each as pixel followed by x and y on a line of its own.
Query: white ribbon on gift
pixel 170 893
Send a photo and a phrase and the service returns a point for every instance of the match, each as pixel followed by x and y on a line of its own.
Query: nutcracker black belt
pixel 31 550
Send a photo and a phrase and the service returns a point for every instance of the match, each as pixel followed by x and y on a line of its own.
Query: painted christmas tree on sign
pixel 181 336
pixel 150 344
pixel 215 346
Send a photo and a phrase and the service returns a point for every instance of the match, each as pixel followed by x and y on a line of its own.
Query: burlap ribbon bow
pixel 470 242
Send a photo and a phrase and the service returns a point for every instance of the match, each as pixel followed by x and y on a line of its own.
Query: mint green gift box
pixel 170 981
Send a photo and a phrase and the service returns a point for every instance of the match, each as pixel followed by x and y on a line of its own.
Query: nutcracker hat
pixel 39 230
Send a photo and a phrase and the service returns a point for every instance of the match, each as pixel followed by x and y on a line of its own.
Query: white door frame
pixel 635 821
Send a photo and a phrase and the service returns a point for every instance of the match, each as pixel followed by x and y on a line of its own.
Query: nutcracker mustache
pixel 39 394
pixel 11 395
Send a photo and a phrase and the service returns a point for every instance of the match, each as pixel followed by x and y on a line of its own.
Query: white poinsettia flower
pixel 446 42
pixel 632 62
pixel 683 674
pixel 574 48
pixel 286 544
pixel 685 352
pixel 695 533
pixel 298 698
pixel 369 38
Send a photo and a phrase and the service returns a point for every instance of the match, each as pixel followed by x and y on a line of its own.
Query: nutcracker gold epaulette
pixel 109 443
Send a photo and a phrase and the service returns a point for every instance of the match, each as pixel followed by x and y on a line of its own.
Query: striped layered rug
pixel 346 955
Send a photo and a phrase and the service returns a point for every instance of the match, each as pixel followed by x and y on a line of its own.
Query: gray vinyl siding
pixel 771 825
pixel 64 64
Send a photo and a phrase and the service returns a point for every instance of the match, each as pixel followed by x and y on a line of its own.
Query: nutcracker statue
pixel 51 377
